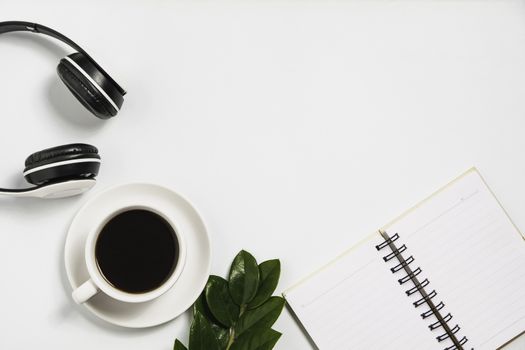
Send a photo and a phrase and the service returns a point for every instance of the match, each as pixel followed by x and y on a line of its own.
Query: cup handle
pixel 85 292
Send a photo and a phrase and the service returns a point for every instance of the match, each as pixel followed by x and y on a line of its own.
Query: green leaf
pixel 244 278
pixel 178 345
pixel 217 321
pixel 269 272
pixel 220 302
pixel 201 334
pixel 260 340
pixel 221 333
pixel 261 317
pixel 201 305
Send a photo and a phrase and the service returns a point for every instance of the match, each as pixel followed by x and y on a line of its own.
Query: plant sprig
pixel 238 313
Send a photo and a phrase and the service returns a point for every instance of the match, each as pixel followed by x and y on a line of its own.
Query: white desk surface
pixel 295 127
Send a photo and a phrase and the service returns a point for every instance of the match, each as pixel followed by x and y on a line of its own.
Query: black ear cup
pixel 62 163
pixel 92 87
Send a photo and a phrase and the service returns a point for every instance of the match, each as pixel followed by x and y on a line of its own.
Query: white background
pixel 295 127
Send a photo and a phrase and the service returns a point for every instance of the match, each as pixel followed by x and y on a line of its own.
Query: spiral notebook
pixel 448 274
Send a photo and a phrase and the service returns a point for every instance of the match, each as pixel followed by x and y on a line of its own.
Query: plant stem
pixel 243 309
pixel 231 336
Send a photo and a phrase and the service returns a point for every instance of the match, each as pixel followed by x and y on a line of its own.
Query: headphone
pixel 68 170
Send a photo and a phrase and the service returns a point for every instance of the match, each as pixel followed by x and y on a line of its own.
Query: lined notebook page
pixel 473 256
pixel 355 303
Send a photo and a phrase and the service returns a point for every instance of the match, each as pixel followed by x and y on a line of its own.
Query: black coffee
pixel 137 251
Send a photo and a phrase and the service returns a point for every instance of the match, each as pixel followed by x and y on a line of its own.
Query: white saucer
pixel 188 286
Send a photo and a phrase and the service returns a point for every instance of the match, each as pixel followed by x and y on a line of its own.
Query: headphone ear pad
pixel 62 163
pixel 90 86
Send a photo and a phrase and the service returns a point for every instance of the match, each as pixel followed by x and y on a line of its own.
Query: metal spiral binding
pixel 420 288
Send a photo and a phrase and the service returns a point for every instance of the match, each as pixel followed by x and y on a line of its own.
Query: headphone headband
pixel 20 26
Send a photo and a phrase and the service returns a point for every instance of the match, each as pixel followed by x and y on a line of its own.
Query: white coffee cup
pixel 97 283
